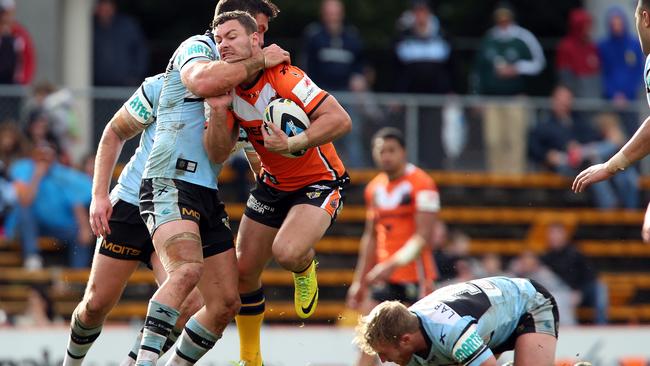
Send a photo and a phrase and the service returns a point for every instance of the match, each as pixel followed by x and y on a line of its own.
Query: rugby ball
pixel 289 117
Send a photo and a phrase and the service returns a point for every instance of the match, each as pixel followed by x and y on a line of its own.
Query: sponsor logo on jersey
pixel 258 206
pixel 119 249
pixel 190 212
pixel 314 194
pixel 139 110
pixel 467 345
pixel 196 50
pixel 306 90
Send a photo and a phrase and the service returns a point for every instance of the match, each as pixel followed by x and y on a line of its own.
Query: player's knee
pixel 93 310
pixel 289 257
pixel 231 305
pixel 225 307
pixel 186 274
pixel 248 275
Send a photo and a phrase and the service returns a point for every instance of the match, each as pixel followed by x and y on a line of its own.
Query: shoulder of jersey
pixel 284 70
pixel 154 80
pixel 418 174
pixel 377 179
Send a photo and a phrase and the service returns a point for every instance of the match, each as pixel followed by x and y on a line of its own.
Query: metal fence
pixel 442 132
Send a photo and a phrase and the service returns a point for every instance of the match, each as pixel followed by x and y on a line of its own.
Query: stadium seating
pixel 503 214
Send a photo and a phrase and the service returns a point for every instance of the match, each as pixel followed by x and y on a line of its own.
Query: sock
pixel 249 323
pixel 81 339
pixel 171 339
pixel 157 326
pixel 133 353
pixel 194 342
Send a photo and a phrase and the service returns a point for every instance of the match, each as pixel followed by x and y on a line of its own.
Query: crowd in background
pixel 45 193
pixel 559 267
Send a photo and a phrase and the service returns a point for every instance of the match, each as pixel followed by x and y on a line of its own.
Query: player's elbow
pixel 194 81
pixel 345 123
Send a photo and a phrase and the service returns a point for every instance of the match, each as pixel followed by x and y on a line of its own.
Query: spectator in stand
pixel 36 100
pixel 624 187
pixel 52 201
pixel 507 56
pixel 38 132
pixel 17 55
pixel 622 63
pixel 334 61
pixel 555 140
pixel 491 265
pixel 528 264
pixel 13 144
pixel 577 61
pixel 423 52
pixel 333 50
pixel 442 256
pixel 564 142
pixel 564 259
pixel 120 53
pixel 39 311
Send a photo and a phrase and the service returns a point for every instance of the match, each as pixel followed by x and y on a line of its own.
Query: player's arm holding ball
pixel 328 119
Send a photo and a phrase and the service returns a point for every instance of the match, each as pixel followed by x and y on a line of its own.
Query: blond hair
pixel 386 323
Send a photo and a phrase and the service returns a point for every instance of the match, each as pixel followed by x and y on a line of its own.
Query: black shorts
pixel 129 238
pixel 270 206
pixel 543 318
pixel 407 293
pixel 164 200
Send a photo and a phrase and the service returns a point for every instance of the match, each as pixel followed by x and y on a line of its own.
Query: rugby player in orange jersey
pixel 296 199
pixel 395 262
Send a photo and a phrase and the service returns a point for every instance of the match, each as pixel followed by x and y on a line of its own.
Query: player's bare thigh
pixel 178 242
pixel 535 349
pixel 303 227
pixel 254 241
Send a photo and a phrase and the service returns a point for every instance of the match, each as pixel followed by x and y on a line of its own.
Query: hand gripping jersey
pixel 464 321
pixel 286 174
pixel 142 106
pixel 392 206
pixel 177 151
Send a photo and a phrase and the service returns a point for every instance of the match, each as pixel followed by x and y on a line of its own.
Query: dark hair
pixel 252 7
pixel 390 133
pixel 245 19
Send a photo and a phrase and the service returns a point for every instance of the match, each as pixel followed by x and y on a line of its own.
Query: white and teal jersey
pixel 177 151
pixel 646 78
pixel 463 322
pixel 142 106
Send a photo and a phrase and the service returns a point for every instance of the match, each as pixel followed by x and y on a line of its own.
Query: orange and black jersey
pixel 392 206
pixel 320 163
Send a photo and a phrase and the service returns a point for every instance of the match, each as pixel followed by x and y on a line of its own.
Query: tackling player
pixel 639 145
pixel 296 199
pixel 402 202
pixel 469 323
pixel 124 240
pixel 180 205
